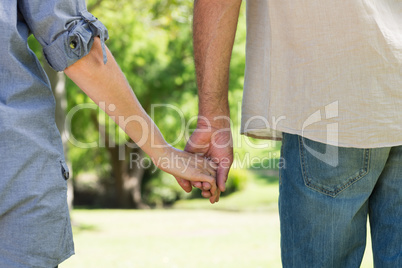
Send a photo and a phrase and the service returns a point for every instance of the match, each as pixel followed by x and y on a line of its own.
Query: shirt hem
pixel 276 135
pixel 64 258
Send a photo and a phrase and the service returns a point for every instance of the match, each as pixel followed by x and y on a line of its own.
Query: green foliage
pixel 152 42
pixel 161 189
pixel 237 180
pixel 35 46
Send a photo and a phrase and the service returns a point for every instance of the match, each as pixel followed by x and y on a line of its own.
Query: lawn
pixel 174 238
pixel 242 230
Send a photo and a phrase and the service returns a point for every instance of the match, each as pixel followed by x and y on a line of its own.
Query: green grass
pixel 174 238
pixel 261 194
pixel 242 230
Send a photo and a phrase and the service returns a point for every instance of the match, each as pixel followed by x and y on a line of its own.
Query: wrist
pixel 214 121
pixel 161 156
pixel 213 110
pixel 217 112
pixel 157 148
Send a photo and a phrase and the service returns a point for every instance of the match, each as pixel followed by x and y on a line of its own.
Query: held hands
pixel 204 164
pixel 190 167
pixel 214 143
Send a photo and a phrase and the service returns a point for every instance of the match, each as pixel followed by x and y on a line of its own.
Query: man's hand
pixel 213 141
pixel 187 166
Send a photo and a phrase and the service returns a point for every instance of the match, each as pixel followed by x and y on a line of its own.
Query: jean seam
pixel 281 155
pixel 307 181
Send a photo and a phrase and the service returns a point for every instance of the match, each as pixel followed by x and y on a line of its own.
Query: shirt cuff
pixel 75 43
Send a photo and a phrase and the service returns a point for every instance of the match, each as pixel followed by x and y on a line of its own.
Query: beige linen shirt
pixel 328 70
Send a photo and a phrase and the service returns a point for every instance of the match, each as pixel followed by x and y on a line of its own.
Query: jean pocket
pixel 330 169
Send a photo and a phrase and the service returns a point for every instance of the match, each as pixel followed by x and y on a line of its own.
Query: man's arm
pixel 214 30
pixel 106 83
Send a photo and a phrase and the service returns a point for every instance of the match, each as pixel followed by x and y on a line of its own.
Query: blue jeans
pixel 326 195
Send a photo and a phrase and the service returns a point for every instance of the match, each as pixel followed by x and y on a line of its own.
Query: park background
pixel 133 215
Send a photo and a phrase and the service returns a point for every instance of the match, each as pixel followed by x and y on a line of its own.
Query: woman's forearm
pixel 106 84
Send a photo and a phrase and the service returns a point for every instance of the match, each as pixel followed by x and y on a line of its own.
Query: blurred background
pixel 128 215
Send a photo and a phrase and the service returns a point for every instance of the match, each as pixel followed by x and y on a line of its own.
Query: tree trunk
pixel 58 83
pixel 133 183
pixel 127 176
pixel 122 196
pixel 128 179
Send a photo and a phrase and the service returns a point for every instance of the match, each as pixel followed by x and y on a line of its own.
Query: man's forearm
pixel 214 30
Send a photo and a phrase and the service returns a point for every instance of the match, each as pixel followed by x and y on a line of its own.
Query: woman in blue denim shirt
pixel 35 227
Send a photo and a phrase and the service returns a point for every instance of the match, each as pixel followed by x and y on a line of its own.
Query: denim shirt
pixel 35 227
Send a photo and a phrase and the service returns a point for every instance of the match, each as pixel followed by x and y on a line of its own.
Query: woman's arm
pixel 107 84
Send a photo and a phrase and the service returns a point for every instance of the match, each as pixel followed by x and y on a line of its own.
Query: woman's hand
pixel 188 166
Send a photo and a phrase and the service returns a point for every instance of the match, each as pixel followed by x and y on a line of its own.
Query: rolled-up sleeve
pixel 64 28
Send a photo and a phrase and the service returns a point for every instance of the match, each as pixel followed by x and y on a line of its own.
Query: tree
pixel 152 42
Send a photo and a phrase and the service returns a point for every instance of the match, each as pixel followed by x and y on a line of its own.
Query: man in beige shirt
pixel 325 78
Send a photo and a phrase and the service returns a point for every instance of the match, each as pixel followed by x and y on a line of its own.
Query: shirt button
pixel 73 44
